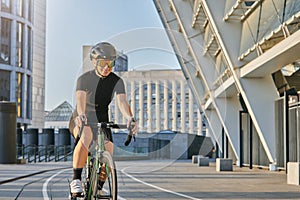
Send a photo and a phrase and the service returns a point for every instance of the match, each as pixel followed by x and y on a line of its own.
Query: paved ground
pixel 145 180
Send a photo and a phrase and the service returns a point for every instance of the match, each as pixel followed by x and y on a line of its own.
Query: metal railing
pixel 44 153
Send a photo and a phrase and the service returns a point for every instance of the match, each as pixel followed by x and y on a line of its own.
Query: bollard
pixel 32 142
pixel 48 136
pixel 223 164
pixel 64 137
pixel 8 132
pixel 19 141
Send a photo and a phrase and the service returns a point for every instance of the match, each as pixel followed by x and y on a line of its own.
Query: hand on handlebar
pixel 80 119
pixel 132 125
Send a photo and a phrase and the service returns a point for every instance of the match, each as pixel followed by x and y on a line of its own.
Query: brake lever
pixel 129 137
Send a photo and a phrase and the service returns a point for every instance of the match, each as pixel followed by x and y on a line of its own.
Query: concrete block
pixel 293 173
pixel 272 167
pixel 195 159
pixel 223 164
pixel 203 161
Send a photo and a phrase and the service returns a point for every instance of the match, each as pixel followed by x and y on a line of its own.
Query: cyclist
pixel 94 92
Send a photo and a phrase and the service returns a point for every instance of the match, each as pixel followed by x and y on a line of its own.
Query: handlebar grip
pixel 129 137
pixel 127 142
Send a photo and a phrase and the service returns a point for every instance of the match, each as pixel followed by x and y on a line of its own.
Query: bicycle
pixel 100 161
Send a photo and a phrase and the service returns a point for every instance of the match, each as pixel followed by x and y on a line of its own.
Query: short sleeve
pixel 120 87
pixel 80 85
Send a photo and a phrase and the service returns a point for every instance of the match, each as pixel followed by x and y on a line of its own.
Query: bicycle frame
pixel 93 167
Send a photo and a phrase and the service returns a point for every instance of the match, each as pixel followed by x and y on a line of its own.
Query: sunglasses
pixel 103 63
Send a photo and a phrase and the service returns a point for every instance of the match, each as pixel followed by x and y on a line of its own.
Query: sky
pixel 132 26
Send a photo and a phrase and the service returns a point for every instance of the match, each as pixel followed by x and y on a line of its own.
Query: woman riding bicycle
pixel 94 92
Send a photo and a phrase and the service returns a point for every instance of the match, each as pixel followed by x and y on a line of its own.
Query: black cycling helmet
pixel 103 50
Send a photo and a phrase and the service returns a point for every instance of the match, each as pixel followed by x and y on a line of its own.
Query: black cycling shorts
pixel 107 131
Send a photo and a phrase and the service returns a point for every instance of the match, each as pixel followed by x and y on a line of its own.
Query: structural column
pixel 174 105
pixel 149 104
pixel 199 117
pixel 182 84
pixel 157 107
pixel 13 59
pixel 25 65
pixel 141 106
pixel 191 112
pixel 165 105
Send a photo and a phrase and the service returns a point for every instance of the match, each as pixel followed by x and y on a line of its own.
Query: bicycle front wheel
pixel 107 184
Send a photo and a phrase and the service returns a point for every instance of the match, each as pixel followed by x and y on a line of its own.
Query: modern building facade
pixel 39 60
pixel 160 100
pixel 234 55
pixel 18 67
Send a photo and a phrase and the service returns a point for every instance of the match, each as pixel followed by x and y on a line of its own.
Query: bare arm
pixel 125 109
pixel 81 102
pixel 124 106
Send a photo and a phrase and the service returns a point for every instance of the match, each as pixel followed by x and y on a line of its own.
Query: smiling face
pixel 103 66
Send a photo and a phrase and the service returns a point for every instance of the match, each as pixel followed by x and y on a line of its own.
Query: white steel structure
pixel 229 51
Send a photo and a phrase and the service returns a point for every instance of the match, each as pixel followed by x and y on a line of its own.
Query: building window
pixel 29 94
pixel 4 85
pixel 5 41
pixel 19 100
pixel 20 8
pixel 29 48
pixel 5 6
pixel 19 45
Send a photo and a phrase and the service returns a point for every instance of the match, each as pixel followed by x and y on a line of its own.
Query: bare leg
pixel 81 150
pixel 109 146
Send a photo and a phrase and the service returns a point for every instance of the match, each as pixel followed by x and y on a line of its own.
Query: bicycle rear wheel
pixel 109 189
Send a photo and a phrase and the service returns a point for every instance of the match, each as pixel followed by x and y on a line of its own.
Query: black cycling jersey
pixel 100 92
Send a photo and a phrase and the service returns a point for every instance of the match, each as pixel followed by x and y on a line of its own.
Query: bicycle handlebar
pixel 110 125
pixel 118 126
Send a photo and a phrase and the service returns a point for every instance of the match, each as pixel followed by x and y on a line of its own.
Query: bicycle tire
pixel 91 179
pixel 111 186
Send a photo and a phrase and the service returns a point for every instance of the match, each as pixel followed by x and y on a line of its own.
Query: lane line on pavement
pixel 119 197
pixel 27 175
pixel 45 185
pixel 156 187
